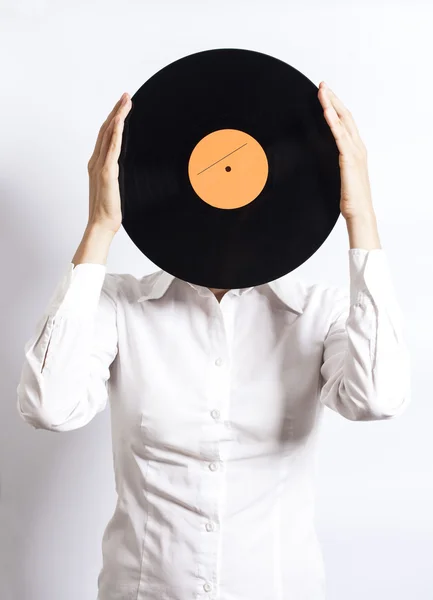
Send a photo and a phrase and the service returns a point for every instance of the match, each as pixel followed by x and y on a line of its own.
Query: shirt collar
pixel 289 290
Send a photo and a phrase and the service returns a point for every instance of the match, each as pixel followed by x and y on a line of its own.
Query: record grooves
pixel 229 174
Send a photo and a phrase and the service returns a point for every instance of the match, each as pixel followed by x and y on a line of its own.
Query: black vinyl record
pixel 284 196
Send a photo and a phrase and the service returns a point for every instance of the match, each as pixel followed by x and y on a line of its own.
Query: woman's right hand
pixel 103 168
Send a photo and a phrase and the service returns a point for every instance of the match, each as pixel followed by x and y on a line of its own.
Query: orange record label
pixel 228 168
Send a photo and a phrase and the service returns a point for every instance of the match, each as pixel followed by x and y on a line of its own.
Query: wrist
pixel 365 218
pixel 99 228
pixel 94 245
pixel 363 232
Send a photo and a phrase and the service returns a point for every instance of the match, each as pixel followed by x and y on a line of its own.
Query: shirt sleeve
pixel 63 382
pixel 366 362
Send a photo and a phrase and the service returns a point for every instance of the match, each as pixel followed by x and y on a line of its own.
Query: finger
pixel 104 127
pixel 107 123
pixel 107 139
pixel 336 125
pixel 115 142
pixel 343 113
pixel 105 142
pixel 339 131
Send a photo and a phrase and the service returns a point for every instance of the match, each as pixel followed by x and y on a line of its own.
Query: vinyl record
pixel 229 173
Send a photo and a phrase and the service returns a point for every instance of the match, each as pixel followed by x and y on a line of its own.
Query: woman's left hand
pixel 355 198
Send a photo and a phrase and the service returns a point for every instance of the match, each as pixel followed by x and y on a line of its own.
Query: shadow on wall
pixel 53 504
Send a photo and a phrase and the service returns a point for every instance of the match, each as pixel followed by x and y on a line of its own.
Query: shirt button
pixel 219 361
pixel 213 466
pixel 210 526
pixel 215 414
pixel 207 587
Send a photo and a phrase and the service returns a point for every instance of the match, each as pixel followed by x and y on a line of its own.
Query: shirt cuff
pixel 79 289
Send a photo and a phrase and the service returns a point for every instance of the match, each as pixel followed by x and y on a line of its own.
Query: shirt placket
pixel 213 452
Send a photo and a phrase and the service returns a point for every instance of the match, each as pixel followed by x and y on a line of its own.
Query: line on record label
pixel 223 158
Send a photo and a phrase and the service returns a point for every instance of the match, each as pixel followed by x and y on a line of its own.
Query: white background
pixel 63 67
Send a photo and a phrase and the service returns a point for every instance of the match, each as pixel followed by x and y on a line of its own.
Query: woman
pixel 215 395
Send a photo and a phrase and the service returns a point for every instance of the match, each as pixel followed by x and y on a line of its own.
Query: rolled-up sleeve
pixel 366 362
pixel 63 382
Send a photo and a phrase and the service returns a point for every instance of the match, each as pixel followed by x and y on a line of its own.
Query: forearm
pixel 366 362
pixel 94 245
pixel 363 232
pixel 67 358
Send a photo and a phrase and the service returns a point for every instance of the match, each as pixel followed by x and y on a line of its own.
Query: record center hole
pixel 228 168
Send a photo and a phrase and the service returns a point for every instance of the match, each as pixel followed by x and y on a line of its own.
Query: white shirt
pixel 215 409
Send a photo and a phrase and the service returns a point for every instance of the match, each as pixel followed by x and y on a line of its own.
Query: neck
pixel 219 293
